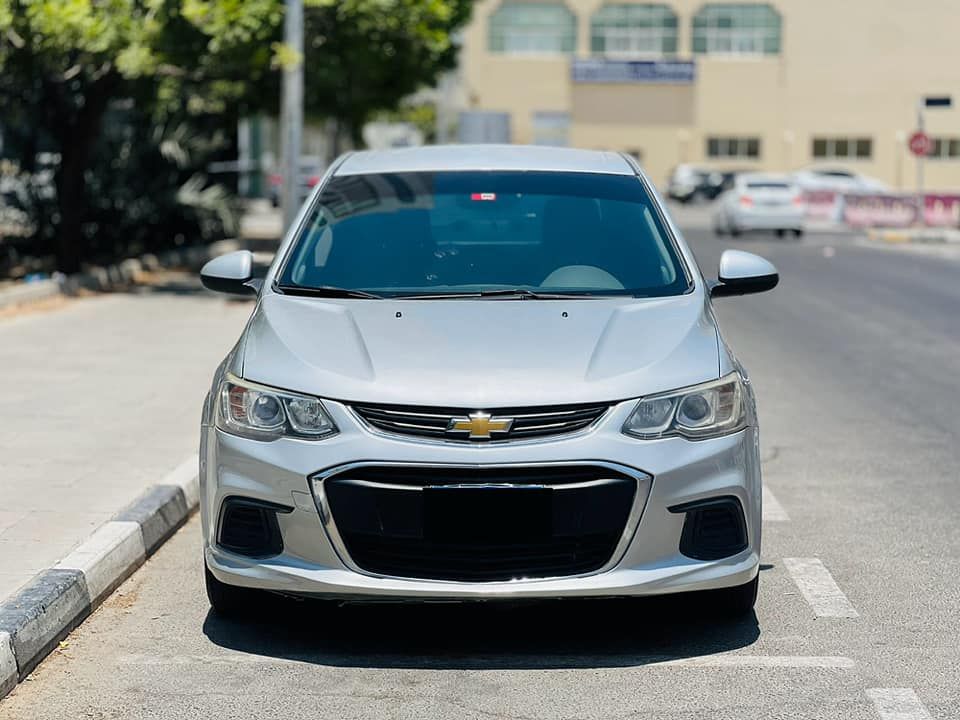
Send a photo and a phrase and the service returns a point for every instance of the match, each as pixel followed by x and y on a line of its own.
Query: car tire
pixel 735 601
pixel 780 232
pixel 798 233
pixel 230 601
pixel 734 231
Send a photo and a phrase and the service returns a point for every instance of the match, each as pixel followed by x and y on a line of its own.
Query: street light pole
pixel 291 112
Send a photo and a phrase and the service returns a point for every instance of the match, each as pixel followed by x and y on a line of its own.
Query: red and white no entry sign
pixel 920 143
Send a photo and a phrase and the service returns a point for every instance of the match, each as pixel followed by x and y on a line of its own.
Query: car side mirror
pixel 231 273
pixel 742 273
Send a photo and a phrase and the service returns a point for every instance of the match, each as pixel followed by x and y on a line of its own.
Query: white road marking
pixel 818 588
pixel 772 509
pixel 763 661
pixel 706 661
pixel 898 704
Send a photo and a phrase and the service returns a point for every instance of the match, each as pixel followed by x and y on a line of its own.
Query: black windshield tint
pixel 767 186
pixel 455 232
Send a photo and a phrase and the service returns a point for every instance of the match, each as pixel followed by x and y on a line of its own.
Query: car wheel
pixel 735 601
pixel 779 233
pixel 734 231
pixel 229 600
pixel 798 233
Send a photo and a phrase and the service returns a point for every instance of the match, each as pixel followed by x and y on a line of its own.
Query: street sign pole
pixel 921 205
pixel 291 112
pixel 921 145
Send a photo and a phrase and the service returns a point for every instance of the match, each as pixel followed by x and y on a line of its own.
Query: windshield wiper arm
pixel 522 293
pixel 519 293
pixel 326 291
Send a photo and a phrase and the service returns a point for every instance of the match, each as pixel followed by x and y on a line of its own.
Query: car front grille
pixel 476 524
pixel 440 423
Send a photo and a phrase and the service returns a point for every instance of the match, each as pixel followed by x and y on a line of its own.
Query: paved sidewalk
pixel 100 399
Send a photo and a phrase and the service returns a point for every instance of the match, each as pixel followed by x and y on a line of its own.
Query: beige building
pixel 774 86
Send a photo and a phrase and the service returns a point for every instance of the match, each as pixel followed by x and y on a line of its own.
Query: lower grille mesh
pixel 480 525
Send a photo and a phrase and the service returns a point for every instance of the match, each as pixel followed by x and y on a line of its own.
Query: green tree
pixel 67 65
pixel 365 56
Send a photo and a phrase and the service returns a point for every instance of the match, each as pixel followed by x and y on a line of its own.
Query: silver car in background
pixel 482 373
pixel 760 201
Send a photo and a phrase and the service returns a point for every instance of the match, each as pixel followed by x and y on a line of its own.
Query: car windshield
pixel 764 185
pixel 456 233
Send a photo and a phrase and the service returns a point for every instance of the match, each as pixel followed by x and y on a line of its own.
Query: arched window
pixel 526 27
pixel 752 29
pixel 649 29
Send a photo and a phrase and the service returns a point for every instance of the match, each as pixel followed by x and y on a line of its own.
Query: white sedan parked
pixel 760 202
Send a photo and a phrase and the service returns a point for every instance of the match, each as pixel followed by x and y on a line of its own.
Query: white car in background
pixel 759 201
pixel 836 180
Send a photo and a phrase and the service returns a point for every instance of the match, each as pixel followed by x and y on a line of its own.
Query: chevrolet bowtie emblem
pixel 479 425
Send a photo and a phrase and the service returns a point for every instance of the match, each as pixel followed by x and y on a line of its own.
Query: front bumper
pixel 669 472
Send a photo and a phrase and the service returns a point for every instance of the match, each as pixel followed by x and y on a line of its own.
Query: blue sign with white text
pixel 679 72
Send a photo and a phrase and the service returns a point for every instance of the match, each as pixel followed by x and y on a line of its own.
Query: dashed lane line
pixel 818 588
pixel 772 509
pixel 898 704
pixel 763 661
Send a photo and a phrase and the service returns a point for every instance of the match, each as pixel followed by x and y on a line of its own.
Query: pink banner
pixel 890 210
pixel 822 204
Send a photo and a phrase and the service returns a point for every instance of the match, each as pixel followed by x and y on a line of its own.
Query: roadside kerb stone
pixel 43 612
pixel 107 558
pixel 8 665
pixel 24 293
pixel 158 512
pixel 128 271
pixel 35 619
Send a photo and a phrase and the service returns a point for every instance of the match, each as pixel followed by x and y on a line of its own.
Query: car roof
pixel 535 158
pixel 765 177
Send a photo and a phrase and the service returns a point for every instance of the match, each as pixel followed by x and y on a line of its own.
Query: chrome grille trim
pixel 642 494
pixel 432 423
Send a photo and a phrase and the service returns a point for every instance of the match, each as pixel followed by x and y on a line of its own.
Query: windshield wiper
pixel 519 293
pixel 326 291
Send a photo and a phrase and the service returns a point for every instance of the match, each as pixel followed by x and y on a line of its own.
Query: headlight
pixel 263 413
pixel 702 411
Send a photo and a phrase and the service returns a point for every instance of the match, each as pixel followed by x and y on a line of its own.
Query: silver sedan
pixel 482 373
pixel 760 202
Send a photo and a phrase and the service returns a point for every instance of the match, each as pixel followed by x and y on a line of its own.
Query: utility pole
pixel 291 113
pixel 443 109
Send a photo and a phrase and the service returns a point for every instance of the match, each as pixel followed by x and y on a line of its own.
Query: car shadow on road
pixel 544 635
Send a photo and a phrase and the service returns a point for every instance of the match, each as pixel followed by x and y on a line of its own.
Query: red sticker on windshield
pixel 483 196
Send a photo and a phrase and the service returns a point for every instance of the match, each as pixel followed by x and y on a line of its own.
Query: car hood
pixel 480 353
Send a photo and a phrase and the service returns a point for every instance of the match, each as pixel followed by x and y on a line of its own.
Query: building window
pixel 551 128
pixel 842 148
pixel 945 148
pixel 632 30
pixel 733 147
pixel 520 27
pixel 751 29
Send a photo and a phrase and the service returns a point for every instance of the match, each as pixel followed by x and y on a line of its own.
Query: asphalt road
pixel 856 359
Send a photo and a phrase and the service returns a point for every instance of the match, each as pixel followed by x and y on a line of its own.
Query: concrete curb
pixel 28 292
pixel 932 236
pixel 101 279
pixel 44 611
